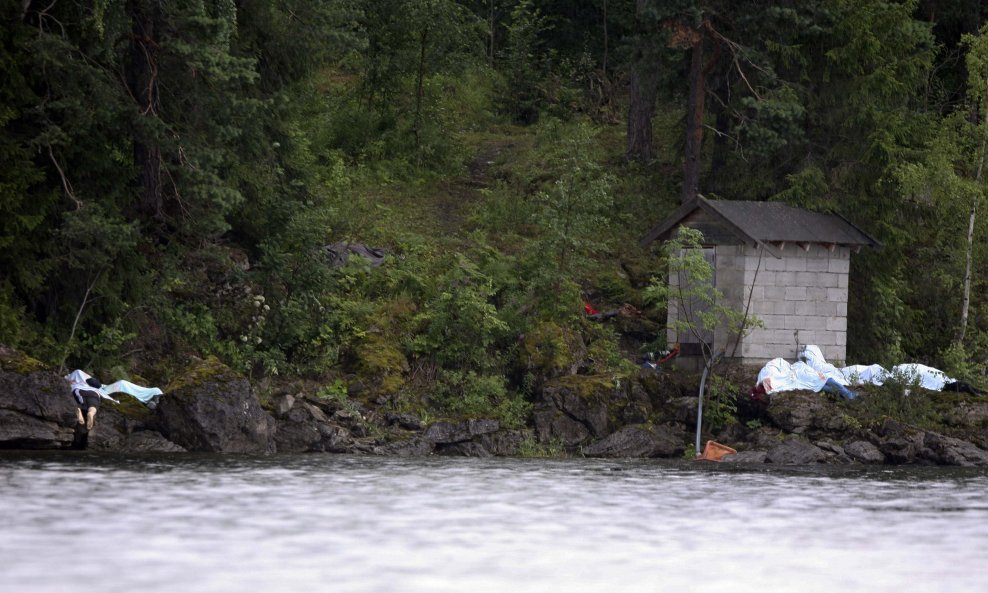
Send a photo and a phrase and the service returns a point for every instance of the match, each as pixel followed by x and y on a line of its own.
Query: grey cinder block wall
pixel 801 298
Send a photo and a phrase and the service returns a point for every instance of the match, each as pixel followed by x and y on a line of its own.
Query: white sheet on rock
pixel 859 374
pixel 78 380
pixel 779 375
pixel 814 357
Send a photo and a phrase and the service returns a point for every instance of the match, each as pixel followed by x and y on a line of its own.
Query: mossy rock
pixel 130 407
pixel 587 386
pixel 15 361
pixel 199 373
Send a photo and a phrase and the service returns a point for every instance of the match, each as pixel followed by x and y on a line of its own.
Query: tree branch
pixel 747 307
pixel 75 323
pixel 65 181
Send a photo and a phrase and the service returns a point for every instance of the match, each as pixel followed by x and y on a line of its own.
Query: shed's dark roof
pixel 769 222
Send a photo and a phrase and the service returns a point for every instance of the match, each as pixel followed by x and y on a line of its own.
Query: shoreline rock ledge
pixel 213 409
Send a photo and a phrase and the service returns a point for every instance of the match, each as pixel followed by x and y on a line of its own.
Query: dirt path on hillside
pixel 456 195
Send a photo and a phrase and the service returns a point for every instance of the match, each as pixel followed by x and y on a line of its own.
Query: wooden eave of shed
pixel 770 225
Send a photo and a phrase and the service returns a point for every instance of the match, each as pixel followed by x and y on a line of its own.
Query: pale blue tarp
pixel 145 394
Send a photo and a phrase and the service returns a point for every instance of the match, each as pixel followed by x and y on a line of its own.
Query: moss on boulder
pixel 212 408
pixel 15 361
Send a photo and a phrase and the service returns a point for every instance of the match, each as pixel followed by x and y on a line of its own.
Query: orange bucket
pixel 713 451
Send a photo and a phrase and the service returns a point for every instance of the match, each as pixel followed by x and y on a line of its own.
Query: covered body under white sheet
pixel 928 377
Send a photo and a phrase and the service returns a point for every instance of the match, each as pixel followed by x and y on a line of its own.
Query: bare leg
pixel 79 416
pixel 90 418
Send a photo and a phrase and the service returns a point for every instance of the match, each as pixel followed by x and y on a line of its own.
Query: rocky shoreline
pixel 213 409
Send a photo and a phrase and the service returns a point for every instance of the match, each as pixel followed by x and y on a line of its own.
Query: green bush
pixel 720 404
pixel 604 355
pixel 12 321
pixel 552 349
pixel 461 325
pixel 473 395
pixel 957 363
pixel 901 398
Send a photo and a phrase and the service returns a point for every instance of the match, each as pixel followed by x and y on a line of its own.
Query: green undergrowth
pixel 494 240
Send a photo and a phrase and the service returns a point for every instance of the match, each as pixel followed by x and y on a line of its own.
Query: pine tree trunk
pixel 604 65
pixel 694 122
pixel 493 24
pixel 143 81
pixel 641 105
pixel 715 180
pixel 640 112
pixel 419 89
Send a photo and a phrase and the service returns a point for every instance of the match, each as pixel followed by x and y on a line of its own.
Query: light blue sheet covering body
pixel 142 393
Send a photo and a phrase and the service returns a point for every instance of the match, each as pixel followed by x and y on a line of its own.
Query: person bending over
pixel 87 397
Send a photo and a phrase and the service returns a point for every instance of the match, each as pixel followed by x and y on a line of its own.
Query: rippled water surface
pixel 85 522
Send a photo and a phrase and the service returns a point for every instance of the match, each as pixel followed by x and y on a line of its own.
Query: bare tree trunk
pixel 75 322
pixel 694 122
pixel 966 303
pixel 969 255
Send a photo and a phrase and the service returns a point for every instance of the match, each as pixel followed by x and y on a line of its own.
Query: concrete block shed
pixel 788 266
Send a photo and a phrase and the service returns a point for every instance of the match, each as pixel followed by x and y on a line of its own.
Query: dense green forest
pixel 173 170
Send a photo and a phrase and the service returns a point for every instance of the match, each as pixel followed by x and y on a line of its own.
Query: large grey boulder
pixel 794 451
pixel 445 432
pixel 575 409
pixel 505 443
pixel 37 410
pixel 31 388
pixel 464 449
pixel 24 431
pixel 864 452
pixel 413 447
pixel 591 411
pixel 211 408
pixel 551 424
pixel 638 441
pixel 745 457
pixel 946 450
pixel 149 441
pixel 805 412
pixel 502 443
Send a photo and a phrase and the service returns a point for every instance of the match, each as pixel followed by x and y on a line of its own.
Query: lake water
pixel 81 522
